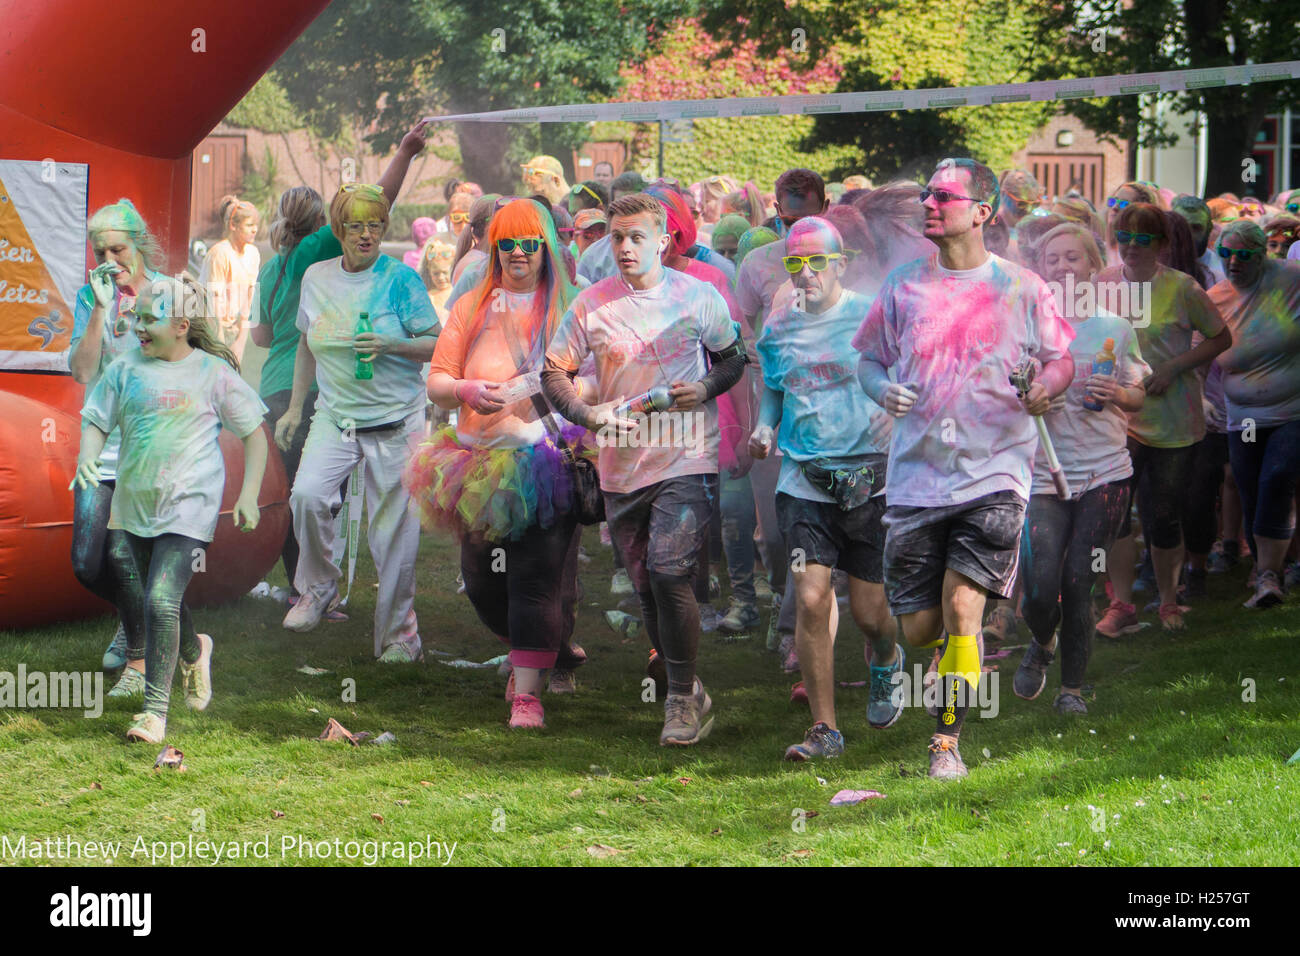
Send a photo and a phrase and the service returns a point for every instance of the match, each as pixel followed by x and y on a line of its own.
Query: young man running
pixel 961 459
pixel 650 326
pixel 828 521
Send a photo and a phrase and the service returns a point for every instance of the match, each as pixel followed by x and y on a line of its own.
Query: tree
pixel 1139 36
pixel 382 63
pixel 906 44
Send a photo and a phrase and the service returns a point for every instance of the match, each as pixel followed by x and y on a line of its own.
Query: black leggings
pixel 276 405
pixel 1266 470
pixel 671 615
pixel 1160 482
pixel 152 575
pixel 1200 506
pixel 90 509
pixel 1059 552
pixel 526 591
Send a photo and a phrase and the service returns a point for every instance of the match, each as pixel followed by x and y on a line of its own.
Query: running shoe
pixel 306 614
pixel 709 618
pixel 684 714
pixel 149 728
pixel 885 706
pixel 1031 675
pixel 115 655
pixel 526 713
pixel 657 671
pixel 562 681
pixel 945 759
pixel 1268 591
pixel 799 693
pixel 621 583
pixel 1292 576
pixel 820 741
pixel 623 623
pixel 1069 704
pixel 739 618
pixel 400 654
pixel 762 588
pixel 1119 619
pixel 196 678
pixel 129 684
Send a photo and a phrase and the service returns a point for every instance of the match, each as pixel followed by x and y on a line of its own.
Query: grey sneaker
pixel 1069 704
pixel 1268 590
pixel 885 706
pixel 945 759
pixel 1001 625
pixel 684 722
pixel 196 678
pixel 819 741
pixel 739 618
pixel 621 583
pixel 1031 675
pixel 115 655
pixel 129 684
pixel 708 618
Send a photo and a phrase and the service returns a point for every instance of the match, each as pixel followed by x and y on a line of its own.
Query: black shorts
pixel 979 539
pixel 821 533
pixel 662 527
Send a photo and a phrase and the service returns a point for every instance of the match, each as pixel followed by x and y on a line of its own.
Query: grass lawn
pixel 1179 769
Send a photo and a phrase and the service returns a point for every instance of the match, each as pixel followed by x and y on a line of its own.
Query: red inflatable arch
pixel 130 91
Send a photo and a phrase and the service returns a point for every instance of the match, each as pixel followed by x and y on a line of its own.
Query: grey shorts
pixel 852 541
pixel 662 526
pixel 979 539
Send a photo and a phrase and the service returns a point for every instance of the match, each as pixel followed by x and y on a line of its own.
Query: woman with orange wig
pixel 499 480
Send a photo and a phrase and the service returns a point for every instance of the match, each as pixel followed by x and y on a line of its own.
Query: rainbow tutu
pixel 498 493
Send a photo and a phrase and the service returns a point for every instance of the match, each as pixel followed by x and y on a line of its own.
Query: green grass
pixel 1182 770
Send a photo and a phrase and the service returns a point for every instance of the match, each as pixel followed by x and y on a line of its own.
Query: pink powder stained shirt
pixel 957 336
pixel 1261 371
pixel 641 339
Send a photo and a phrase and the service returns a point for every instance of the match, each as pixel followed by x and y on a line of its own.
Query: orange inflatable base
pixel 40 432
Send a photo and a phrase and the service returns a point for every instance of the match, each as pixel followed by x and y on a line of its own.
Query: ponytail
pixel 194 306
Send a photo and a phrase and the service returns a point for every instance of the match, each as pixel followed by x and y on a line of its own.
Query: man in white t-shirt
pixel 651 327
pixel 961 457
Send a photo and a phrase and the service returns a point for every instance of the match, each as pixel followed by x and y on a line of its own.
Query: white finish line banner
pixel 1132 84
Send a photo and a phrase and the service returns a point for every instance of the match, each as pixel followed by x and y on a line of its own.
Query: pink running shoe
pixel 526 713
pixel 799 694
pixel 1119 619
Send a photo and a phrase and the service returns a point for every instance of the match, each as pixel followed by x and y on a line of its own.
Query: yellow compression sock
pixel 962 658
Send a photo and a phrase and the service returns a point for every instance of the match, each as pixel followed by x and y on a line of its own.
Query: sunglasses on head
pixel 361 188
pixel 1114 203
pixel 945 196
pixel 458 216
pixel 817 263
pixel 1245 255
pixel 1124 238
pixel 527 246
pixel 581 188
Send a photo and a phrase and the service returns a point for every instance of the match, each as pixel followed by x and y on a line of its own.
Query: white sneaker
pixel 306 614
pixel 149 728
pixel 196 678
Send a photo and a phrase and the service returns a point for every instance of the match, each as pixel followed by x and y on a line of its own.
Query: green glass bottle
pixel 365 370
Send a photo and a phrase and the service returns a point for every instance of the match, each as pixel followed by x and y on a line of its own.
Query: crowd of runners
pixel 959 409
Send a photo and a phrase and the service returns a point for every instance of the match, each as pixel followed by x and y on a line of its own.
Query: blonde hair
pixel 196 308
pixel 1091 248
pixel 300 209
pixel 434 246
pixel 717 187
pixel 353 194
pixel 746 202
pixel 1077 209
pixel 123 217
pixel 232 211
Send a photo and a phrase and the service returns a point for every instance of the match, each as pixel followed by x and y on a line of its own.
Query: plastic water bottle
pixel 365 370
pixel 1103 363
pixel 655 400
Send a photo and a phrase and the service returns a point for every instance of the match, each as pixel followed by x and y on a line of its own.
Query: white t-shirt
pixel 1092 445
pixel 809 359
pixel 1213 264
pixel 760 276
pixel 332 301
pixel 957 335
pixel 644 339
pixel 171 473
pixel 114 346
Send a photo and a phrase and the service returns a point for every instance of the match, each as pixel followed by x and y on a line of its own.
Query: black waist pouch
pixel 849 481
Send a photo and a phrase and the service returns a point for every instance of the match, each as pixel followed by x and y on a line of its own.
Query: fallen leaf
pixel 821 781
pixel 717 832
pixel 426 783
pixel 96 786
pixel 576 793
pixel 384 738
pixel 683 780
pixel 641 798
pixel 277 814
pixel 403 803
pixel 336 731
pixel 809 814
pixel 847 798
pixel 312 671
pixel 377 817
pixel 799 854
pixel 600 851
